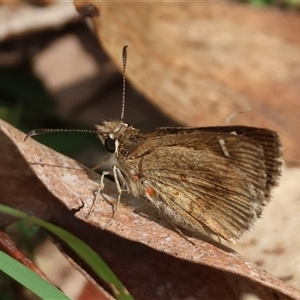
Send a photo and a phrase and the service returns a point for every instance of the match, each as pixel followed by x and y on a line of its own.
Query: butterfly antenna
pixel 39 131
pixel 124 80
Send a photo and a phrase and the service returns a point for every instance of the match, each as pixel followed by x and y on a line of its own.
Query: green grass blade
pixel 29 279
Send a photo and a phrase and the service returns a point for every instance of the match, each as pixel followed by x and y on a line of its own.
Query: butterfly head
pixel 110 134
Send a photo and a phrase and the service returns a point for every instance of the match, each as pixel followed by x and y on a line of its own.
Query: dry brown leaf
pixel 75 186
pixel 201 62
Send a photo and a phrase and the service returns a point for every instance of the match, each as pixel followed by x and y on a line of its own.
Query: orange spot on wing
pixel 150 191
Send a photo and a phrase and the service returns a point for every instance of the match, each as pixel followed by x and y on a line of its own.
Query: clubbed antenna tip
pixel 35 132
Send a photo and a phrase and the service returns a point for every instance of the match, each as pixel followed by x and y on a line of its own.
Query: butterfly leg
pixel 119 178
pixel 102 162
pixel 101 187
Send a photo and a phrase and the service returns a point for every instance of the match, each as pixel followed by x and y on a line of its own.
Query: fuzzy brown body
pixel 208 178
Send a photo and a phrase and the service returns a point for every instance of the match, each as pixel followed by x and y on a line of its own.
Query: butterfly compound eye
pixel 110 145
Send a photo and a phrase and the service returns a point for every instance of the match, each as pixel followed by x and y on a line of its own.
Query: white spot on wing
pixel 223 147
